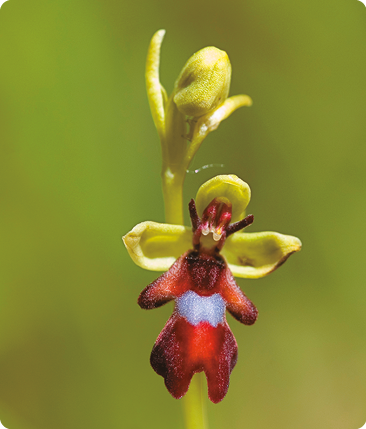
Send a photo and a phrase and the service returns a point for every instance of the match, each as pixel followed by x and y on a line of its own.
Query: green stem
pixel 193 403
pixel 173 196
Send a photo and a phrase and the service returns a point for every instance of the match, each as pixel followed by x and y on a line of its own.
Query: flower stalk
pixel 195 414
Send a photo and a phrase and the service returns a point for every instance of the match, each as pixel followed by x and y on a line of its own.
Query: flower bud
pixel 204 82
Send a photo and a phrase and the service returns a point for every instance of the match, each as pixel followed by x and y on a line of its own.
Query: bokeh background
pixel 79 167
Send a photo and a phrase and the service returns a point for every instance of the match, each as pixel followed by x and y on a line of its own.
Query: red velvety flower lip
pixel 197 337
pixel 183 349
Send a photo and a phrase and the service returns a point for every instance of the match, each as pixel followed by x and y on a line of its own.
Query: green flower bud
pixel 204 82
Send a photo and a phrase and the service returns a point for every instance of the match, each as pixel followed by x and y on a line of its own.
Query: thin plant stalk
pixel 194 404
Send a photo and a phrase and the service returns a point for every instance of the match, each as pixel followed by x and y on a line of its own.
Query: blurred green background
pixel 80 164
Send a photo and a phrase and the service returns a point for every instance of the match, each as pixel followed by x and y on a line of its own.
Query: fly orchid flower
pixel 201 262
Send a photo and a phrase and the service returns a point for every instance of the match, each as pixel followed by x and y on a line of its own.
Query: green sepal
pixel 155 246
pixel 254 255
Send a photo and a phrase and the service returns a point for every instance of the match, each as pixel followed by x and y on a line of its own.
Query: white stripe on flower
pixel 196 308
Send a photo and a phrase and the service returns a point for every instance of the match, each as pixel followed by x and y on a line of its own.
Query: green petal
pixel 230 187
pixel 155 246
pixel 254 255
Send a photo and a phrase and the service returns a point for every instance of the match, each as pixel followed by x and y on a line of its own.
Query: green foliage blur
pixel 80 165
